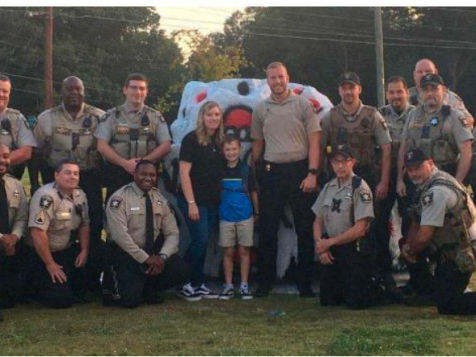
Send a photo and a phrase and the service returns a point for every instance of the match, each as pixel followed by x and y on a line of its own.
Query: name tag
pixel 63 215
pixel 135 208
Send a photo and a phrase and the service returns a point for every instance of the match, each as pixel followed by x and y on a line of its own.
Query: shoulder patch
pixel 427 198
pixel 365 196
pixel 115 202
pixel 46 201
pixel 383 123
pixel 40 218
pixel 464 121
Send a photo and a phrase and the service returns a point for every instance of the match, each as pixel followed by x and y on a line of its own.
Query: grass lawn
pixel 279 325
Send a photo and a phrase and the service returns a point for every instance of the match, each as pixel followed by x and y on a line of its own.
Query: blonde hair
pixel 204 138
pixel 275 65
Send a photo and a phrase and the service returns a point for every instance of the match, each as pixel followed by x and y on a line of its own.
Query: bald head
pixel 72 91
pixel 422 68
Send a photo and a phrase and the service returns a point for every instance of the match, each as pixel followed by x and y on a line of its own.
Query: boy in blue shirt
pixel 239 195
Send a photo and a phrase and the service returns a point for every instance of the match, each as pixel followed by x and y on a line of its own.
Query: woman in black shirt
pixel 201 167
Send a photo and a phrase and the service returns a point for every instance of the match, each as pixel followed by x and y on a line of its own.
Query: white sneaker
pixel 227 293
pixel 205 292
pixel 188 293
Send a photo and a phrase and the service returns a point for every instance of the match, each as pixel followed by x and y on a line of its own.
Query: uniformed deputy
pixel 14 130
pixel 366 133
pixel 441 131
pixel 424 67
pixel 13 218
pixel 443 216
pixel 395 114
pixel 129 133
pixel 66 132
pixel 287 128
pixel 144 238
pixel 58 221
pixel 344 211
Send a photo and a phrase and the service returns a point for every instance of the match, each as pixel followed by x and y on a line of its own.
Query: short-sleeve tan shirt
pixel 285 128
pixel 58 214
pixel 336 204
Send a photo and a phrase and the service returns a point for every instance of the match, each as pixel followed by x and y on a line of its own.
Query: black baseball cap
pixel 431 78
pixel 339 150
pixel 349 77
pixel 415 157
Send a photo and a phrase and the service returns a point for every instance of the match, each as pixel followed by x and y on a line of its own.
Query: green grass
pixel 279 325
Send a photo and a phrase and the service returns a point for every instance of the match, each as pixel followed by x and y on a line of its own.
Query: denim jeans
pixel 200 231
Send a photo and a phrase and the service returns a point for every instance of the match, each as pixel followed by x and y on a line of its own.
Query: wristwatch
pixel 164 256
pixel 312 171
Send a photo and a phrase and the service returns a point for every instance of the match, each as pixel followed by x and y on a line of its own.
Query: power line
pixel 357 41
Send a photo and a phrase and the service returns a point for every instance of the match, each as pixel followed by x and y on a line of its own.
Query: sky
pixel 202 18
pixel 205 19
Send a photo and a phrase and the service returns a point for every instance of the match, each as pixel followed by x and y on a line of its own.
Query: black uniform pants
pixel 280 185
pixel 450 296
pixel 91 183
pixel 129 285
pixel 382 231
pixel 348 280
pixel 56 295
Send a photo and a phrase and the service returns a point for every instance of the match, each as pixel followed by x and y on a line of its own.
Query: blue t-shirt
pixel 235 204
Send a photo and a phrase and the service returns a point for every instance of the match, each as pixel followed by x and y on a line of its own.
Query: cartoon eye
pixel 243 88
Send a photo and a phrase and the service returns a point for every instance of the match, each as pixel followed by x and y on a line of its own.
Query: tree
pixel 100 45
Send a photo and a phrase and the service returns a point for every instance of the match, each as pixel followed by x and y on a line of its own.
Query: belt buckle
pixel 267 167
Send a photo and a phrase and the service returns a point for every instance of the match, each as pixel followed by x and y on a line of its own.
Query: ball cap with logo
pixel 343 150
pixel 415 157
pixel 432 79
pixel 349 77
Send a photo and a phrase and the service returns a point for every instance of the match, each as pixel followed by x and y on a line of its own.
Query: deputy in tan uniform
pixel 13 218
pixel 58 220
pixel 144 238
pixel 443 215
pixel 365 132
pixel 438 129
pixel 131 132
pixel 66 132
pixel 396 114
pixel 424 67
pixel 286 127
pixel 14 130
pixel 344 211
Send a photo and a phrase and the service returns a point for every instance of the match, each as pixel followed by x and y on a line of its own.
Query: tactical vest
pixel 73 140
pixel 452 241
pixel 9 128
pixel 434 136
pixel 134 138
pixel 358 135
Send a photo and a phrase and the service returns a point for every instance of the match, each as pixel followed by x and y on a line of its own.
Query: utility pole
pixel 49 58
pixel 379 54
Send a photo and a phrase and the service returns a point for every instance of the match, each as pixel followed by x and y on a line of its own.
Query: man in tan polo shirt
pixel 287 128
